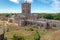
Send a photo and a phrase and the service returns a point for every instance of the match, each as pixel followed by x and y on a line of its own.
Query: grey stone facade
pixel 35 20
pixel 26 9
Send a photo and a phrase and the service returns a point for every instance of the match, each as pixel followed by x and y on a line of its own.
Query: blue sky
pixel 37 6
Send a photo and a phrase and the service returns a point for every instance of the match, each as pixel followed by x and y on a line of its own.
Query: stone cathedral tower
pixel 26 13
pixel 26 9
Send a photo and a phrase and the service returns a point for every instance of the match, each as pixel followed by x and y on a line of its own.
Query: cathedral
pixel 26 18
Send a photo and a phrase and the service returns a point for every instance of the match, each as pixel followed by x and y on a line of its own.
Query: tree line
pixel 50 16
pixel 54 16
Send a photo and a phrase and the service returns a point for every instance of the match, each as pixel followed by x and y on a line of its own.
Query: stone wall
pixel 54 24
pixel 43 24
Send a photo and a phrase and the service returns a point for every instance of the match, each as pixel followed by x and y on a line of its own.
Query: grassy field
pixel 53 36
pixel 28 32
pixel 28 35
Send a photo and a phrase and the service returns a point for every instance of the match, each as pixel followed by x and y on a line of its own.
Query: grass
pixel 53 36
pixel 28 34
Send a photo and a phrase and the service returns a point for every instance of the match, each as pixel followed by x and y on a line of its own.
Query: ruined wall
pixel 54 24
pixel 42 24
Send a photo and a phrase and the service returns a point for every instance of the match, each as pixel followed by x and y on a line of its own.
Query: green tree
pixel 48 16
pixel 56 16
pixel 42 15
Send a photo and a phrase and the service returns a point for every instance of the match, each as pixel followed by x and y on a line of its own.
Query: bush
pixel 36 36
pixel 31 29
pixel 18 37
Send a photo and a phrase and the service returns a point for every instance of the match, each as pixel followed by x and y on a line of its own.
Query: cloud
pixel 55 4
pixel 15 1
pixel 29 1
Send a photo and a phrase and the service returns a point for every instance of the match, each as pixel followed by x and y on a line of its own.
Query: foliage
pixel 31 29
pixel 56 16
pixel 18 37
pixel 36 36
pixel 42 15
pixel 6 14
pixel 51 16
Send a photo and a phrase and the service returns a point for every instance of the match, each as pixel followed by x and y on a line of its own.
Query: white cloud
pixel 56 4
pixel 15 1
pixel 29 1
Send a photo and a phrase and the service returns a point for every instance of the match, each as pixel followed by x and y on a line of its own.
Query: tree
pixel 48 16
pixel 56 16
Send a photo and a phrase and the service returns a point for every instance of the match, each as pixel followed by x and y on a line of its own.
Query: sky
pixel 37 6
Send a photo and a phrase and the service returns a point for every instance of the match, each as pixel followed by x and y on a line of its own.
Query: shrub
pixel 36 36
pixel 31 29
pixel 18 37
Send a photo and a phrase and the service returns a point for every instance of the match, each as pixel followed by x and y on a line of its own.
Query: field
pixel 28 32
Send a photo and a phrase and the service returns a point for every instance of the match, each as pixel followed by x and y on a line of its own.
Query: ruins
pixel 28 19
